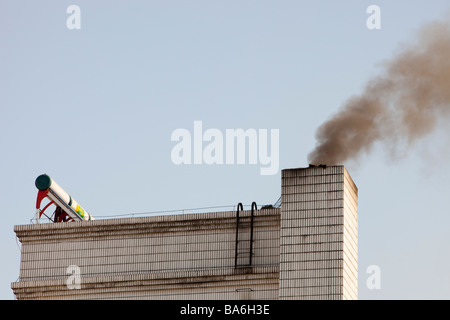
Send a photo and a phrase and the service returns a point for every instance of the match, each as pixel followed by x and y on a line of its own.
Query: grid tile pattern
pixel 305 250
pixel 214 284
pixel 318 239
pixel 186 246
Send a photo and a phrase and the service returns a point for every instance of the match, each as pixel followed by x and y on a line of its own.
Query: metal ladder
pixel 244 246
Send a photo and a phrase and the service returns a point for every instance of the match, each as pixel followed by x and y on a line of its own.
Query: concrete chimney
pixel 319 234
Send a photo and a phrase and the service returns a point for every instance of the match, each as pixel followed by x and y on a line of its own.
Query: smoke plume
pixel 398 107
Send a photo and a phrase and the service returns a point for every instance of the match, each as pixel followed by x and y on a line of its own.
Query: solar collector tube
pixel 61 198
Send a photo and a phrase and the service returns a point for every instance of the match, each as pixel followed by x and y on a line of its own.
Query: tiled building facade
pixel 307 249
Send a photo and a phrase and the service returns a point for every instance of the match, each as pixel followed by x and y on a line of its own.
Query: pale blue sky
pixel 95 108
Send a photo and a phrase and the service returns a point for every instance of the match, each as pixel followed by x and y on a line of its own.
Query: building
pixel 307 249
